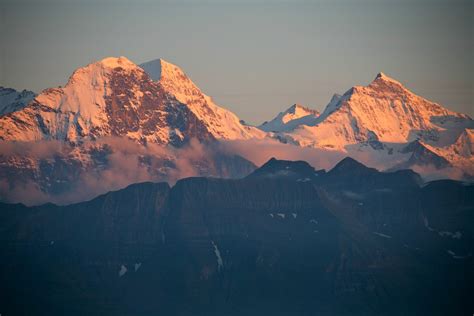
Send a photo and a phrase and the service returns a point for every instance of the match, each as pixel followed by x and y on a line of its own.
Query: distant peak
pixel 301 110
pixel 335 98
pixel 117 62
pixel 270 161
pixel 349 161
pixel 294 108
pixel 383 77
pixel 349 165
pixel 108 64
pixel 7 90
pixel 297 105
pixel 284 164
pixel 294 116
pixel 285 169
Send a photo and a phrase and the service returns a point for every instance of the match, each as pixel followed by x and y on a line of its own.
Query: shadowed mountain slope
pixel 259 245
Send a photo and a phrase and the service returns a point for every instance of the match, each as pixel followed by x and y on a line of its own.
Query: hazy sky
pixel 254 57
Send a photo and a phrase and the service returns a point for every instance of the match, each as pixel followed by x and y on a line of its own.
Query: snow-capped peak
pixel 383 111
pixel 99 68
pixel 294 116
pixel 384 83
pixel 83 108
pixel 383 76
pixel 115 97
pixel 296 111
pixel 117 62
pixel 88 87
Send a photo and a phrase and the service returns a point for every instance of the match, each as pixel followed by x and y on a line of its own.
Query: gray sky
pixel 253 57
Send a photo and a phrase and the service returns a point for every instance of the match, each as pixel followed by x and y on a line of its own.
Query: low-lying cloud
pixel 53 171
pixel 260 151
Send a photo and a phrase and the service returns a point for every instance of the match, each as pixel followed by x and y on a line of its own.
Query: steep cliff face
pixel 337 244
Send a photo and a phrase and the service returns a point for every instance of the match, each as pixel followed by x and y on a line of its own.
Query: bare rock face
pixel 157 113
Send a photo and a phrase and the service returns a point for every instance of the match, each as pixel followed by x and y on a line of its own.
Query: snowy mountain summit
pixel 115 97
pixel 384 110
pixel 385 116
pixel 296 115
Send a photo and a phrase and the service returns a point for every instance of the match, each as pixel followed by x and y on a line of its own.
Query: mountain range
pixel 152 113
pixel 285 240
pixel 131 192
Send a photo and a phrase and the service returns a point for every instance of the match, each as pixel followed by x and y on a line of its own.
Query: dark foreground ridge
pixel 286 240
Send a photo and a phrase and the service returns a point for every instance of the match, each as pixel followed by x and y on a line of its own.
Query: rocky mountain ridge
pixel 324 245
